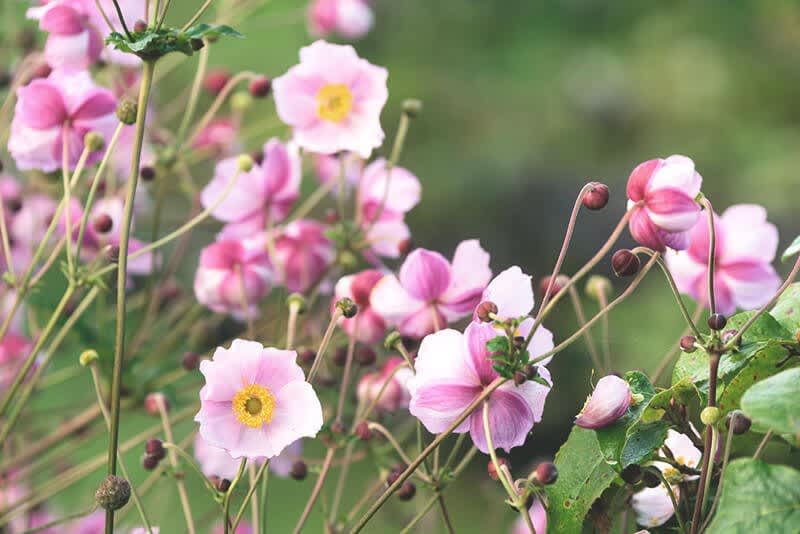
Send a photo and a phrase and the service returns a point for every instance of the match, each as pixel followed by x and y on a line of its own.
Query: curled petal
pixel 609 401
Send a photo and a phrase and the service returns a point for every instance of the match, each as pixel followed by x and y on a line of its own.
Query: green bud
pixel 347 260
pixel 126 111
pixel 598 287
pixel 412 107
pixel 94 141
pixel 297 301
pixel 245 162
pixel 88 357
pixel 710 415
pixel 348 307
pixel 241 101
pixel 392 339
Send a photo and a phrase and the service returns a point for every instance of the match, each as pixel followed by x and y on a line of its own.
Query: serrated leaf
pixel 497 344
pixel 211 31
pixel 642 442
pixel 775 402
pixel 793 250
pixel 758 498
pixel 764 364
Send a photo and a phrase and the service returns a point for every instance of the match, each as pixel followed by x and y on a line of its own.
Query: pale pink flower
pixel 215 461
pixel 302 254
pixel 684 452
pixel 256 401
pixel 243 528
pixel 663 191
pixel 232 273
pixel 218 138
pixel 351 19
pixel 93 523
pixel 452 369
pixel 333 100
pixel 431 292
pixel 30 223
pixel 538 518
pixel 371 326
pixel 58 108
pixel 328 167
pixel 653 506
pixel 264 194
pixel 14 348
pixel 746 245
pixel 608 402
pixel 143 530
pixel 396 394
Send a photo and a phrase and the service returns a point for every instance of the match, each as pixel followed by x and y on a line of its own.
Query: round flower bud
pixel 94 141
pixel 365 356
pixel 348 307
pixel 717 321
pixel 596 198
pixel 258 156
pixel 113 493
pixel 216 80
pixel 710 415
pixel 531 371
pixel 412 107
pixel 306 356
pixel 152 402
pixel 485 310
pixel 520 378
pixel 337 427
pixel 245 162
pixel 260 87
pixel 392 339
pixel 625 263
pixel 147 174
pixel 555 288
pixel 113 253
pixel 688 344
pixel 632 474
pixel 190 361
pixel 407 491
pixel 299 470
pixel 296 301
pixel 88 357
pixel 738 423
pixel 126 111
pixel 546 473
pixel 241 101
pixel 405 246
pixel 492 469
pixel 222 484
pixel 363 431
pixel 598 287
pixel 609 401
pixel 139 26
pixel 149 462
pixel 155 447
pixel 102 223
pixel 650 477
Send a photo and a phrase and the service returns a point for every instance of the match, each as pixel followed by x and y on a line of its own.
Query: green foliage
pixel 787 309
pixel 793 250
pixel 758 498
pixel 153 43
pixel 775 402
pixel 583 475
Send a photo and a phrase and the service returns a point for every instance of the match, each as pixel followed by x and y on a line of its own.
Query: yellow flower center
pixel 334 102
pixel 254 405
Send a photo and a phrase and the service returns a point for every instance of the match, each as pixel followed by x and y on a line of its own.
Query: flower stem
pixel 422 513
pixel 712 253
pixel 674 501
pixel 197 15
pixel 708 453
pixel 173 460
pixel 725 457
pixel 762 445
pixel 255 477
pixel 323 346
pixel 587 335
pixel 326 465
pixel 348 365
pixel 226 503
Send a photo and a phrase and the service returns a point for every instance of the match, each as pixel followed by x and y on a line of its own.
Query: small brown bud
pixel 190 361
pixel 299 470
pixel 363 431
pixel 222 484
pixel 152 402
pixel 306 356
pixel 331 216
pixel 651 478
pixel 596 198
pixel 139 26
pixel 260 87
pixel 407 491
pixel 531 371
pixel 492 470
pixel 113 253
pixel 102 223
pixel 148 174
pixel 150 462
pixel 348 307
pixel 717 321
pixel 485 310
pixel 216 80
pixel 520 378
pixel 337 427
pixel 197 44
pixel 405 246
pixel 687 344
pixel 632 474
pixel 546 473
pixel 738 422
pixel 625 263
pixel 155 447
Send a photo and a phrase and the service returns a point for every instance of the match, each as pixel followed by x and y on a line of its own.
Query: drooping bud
pixel 598 287
pixel 296 301
pixel 147 174
pixel 245 162
pixel 139 26
pixel 216 80
pixel 299 470
pixel 94 141
pixel 412 107
pixel 260 87
pixel 88 357
pixel 520 378
pixel 492 469
pixel 717 321
pixel 596 198
pixel 126 111
pixel 546 473
pixel 363 431
pixel 392 339
pixel 348 307
pixel 609 401
pixel 365 356
pixel 102 224
pixel 407 491
pixel 153 401
pixel 738 422
pixel 710 415
pixel 485 310
pixel 113 493
pixel 632 474
pixel 688 344
pixel 154 447
pixel 625 263
pixel 241 101
pixel 190 361
pixel 556 287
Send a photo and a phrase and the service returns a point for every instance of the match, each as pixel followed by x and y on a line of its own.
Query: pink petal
pixel 392 302
pixel 645 232
pixel 426 320
pixel 247 196
pixel 477 335
pixel 751 235
pixel 469 275
pixel 400 189
pixel 295 97
pixel 752 283
pixel 425 274
pixel 510 420
pixel 685 270
pixel 541 342
pixel 608 402
pixel 95 104
pixel 40 105
pixel 387 235
pixel 443 357
pixel 640 177
pixel 672 210
pixel 277 368
pixel 677 172
pixel 62 20
pixel 512 292
pixel 437 405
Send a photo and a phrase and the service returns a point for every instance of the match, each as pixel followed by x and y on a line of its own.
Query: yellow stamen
pixel 334 102
pixel 254 405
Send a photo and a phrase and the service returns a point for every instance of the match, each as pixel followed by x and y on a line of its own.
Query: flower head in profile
pixel 61 108
pixel 395 393
pixel 351 19
pixel 233 274
pixel 367 326
pixel 333 100
pixel 746 244
pixel 215 461
pixel 609 401
pixel 663 191
pixel 430 291
pixel 538 516
pixel 452 369
pixel 302 254
pixel 255 401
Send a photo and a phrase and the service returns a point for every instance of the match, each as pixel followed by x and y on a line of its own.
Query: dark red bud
pixel 216 80
pixel 405 246
pixel 152 402
pixel 337 427
pixel 306 356
pixel 687 344
pixel 150 462
pixel 147 174
pixel 484 311
pixel 490 467
pixel 625 263
pixel 407 491
pixel 260 87
pixel 738 422
pixel 140 26
pixel 102 223
pixel 596 198
pixel 190 361
pixel 546 473
pixel 299 470
pixel 222 484
pixel 520 378
pixel 717 321
pixel 113 254
pixel 155 447
pixel 363 431
pixel 557 286
pixel 197 44
pixel 258 156
pixel 365 356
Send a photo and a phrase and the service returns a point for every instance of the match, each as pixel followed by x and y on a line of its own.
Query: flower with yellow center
pixel 253 405
pixel 334 102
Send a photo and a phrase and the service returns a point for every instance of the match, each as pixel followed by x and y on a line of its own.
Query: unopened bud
pixel 102 224
pixel 94 141
pixel 492 469
pixel 88 357
pixel 651 478
pixel 222 484
pixel 738 423
pixel 531 371
pixel 363 431
pixel 632 474
pixel 113 493
pixel 412 107
pixel 407 491
pixel 710 415
pixel 688 344
pixel 598 287
pixel 546 473
pixel 197 44
pixel 555 288
pixel 405 246
pixel 241 101
pixel 190 361
pixel 296 301
pixel 149 462
pixel 126 111
pixel 625 263
pixel 392 339
pixel 139 26
pixel 485 310
pixel 260 87
pixel 337 427
pixel 717 321
pixel 596 198
pixel 215 81
pixel 155 447
pixel 347 307
pixel 147 173
pixel 520 378
pixel 331 216
pixel 245 162
pixel 153 403
pixel 113 253
pixel 306 356
pixel 299 470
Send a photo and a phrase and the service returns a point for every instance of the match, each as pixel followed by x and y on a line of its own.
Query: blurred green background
pixel 523 103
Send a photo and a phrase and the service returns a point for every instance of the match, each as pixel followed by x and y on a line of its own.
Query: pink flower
pixel 256 401
pixel 430 292
pixel 13 350
pixel 745 248
pixel 608 402
pixel 302 254
pixel 57 108
pixel 215 461
pixel 93 523
pixel 243 528
pixel 218 138
pixel 383 201
pixel 395 396
pixel 663 191
pixel 349 18
pixel 333 100
pixel 538 518
pixel 232 273
pixel 371 326
pixel 30 223
pixel 452 369
pixel 268 191
pixel 653 506
pixel 328 167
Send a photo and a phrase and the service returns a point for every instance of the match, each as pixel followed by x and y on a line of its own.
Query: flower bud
pixel 520 378
pixel 365 356
pixel 102 224
pixel 492 469
pixel 348 307
pixel 197 44
pixel 363 431
pixel 296 301
pixel 94 141
pixel 546 473
pixel 650 477
pixel 190 361
pixel 154 447
pixel 609 401
pixel 113 493
pixel 245 162
pixel 632 474
pixel 241 101
pixel 392 339
pixel 147 174
pixel 625 263
pixel 598 287
pixel 126 111
pixel 412 107
pixel 531 371
pixel 717 321
pixel 405 246
pixel 407 491
pixel 560 281
pixel 260 87
pixel 149 462
pixel 153 401
pixel 88 357
pixel 299 470
pixel 485 310
pixel 738 423
pixel 710 415
pixel 306 356
pixel 216 80
pixel 337 427
pixel 596 198
pixel 139 26
pixel 688 344
pixel 222 484
pixel 113 253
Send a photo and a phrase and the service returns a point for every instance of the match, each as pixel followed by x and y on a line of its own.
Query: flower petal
pixel 425 275
pixel 510 420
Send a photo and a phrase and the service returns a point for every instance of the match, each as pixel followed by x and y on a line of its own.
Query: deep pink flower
pixel 333 100
pixel 302 254
pixel 50 110
pixel 231 273
pixel 538 518
pixel 746 245
pixel 454 368
pixel 13 350
pixel 265 193
pixel 430 292
pixel 371 326
pixel 663 191
pixel 608 402
pixel 218 138
pixel 256 401
pixel 215 461
pixel 395 396
pixel 349 18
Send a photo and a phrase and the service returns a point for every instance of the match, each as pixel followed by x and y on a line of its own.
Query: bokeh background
pixel 523 103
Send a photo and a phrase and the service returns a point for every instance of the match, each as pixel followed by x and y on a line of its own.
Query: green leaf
pixel 758 498
pixel 793 249
pixel 498 344
pixel 583 475
pixel 643 440
pixel 775 402
pixel 787 309
pixel 212 31
pixel 763 364
pixel 766 327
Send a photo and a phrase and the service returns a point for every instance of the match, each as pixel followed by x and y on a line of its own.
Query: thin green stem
pixel 712 256
pixel 251 496
pixel 197 15
pixel 430 503
pixel 194 96
pixel 61 520
pixel 173 460
pixel 587 334
pixel 725 457
pixel 762 445
pixel 674 501
pixel 323 346
pixel 326 466
pixel 226 502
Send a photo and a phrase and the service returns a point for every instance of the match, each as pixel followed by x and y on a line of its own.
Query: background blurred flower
pixel 371 326
pixel 349 18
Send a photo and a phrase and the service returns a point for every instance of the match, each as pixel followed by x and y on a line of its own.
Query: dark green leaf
pixel 498 344
pixel 643 440
pixel 793 250
pixel 763 364
pixel 211 31
pixel 775 402
pixel 787 309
